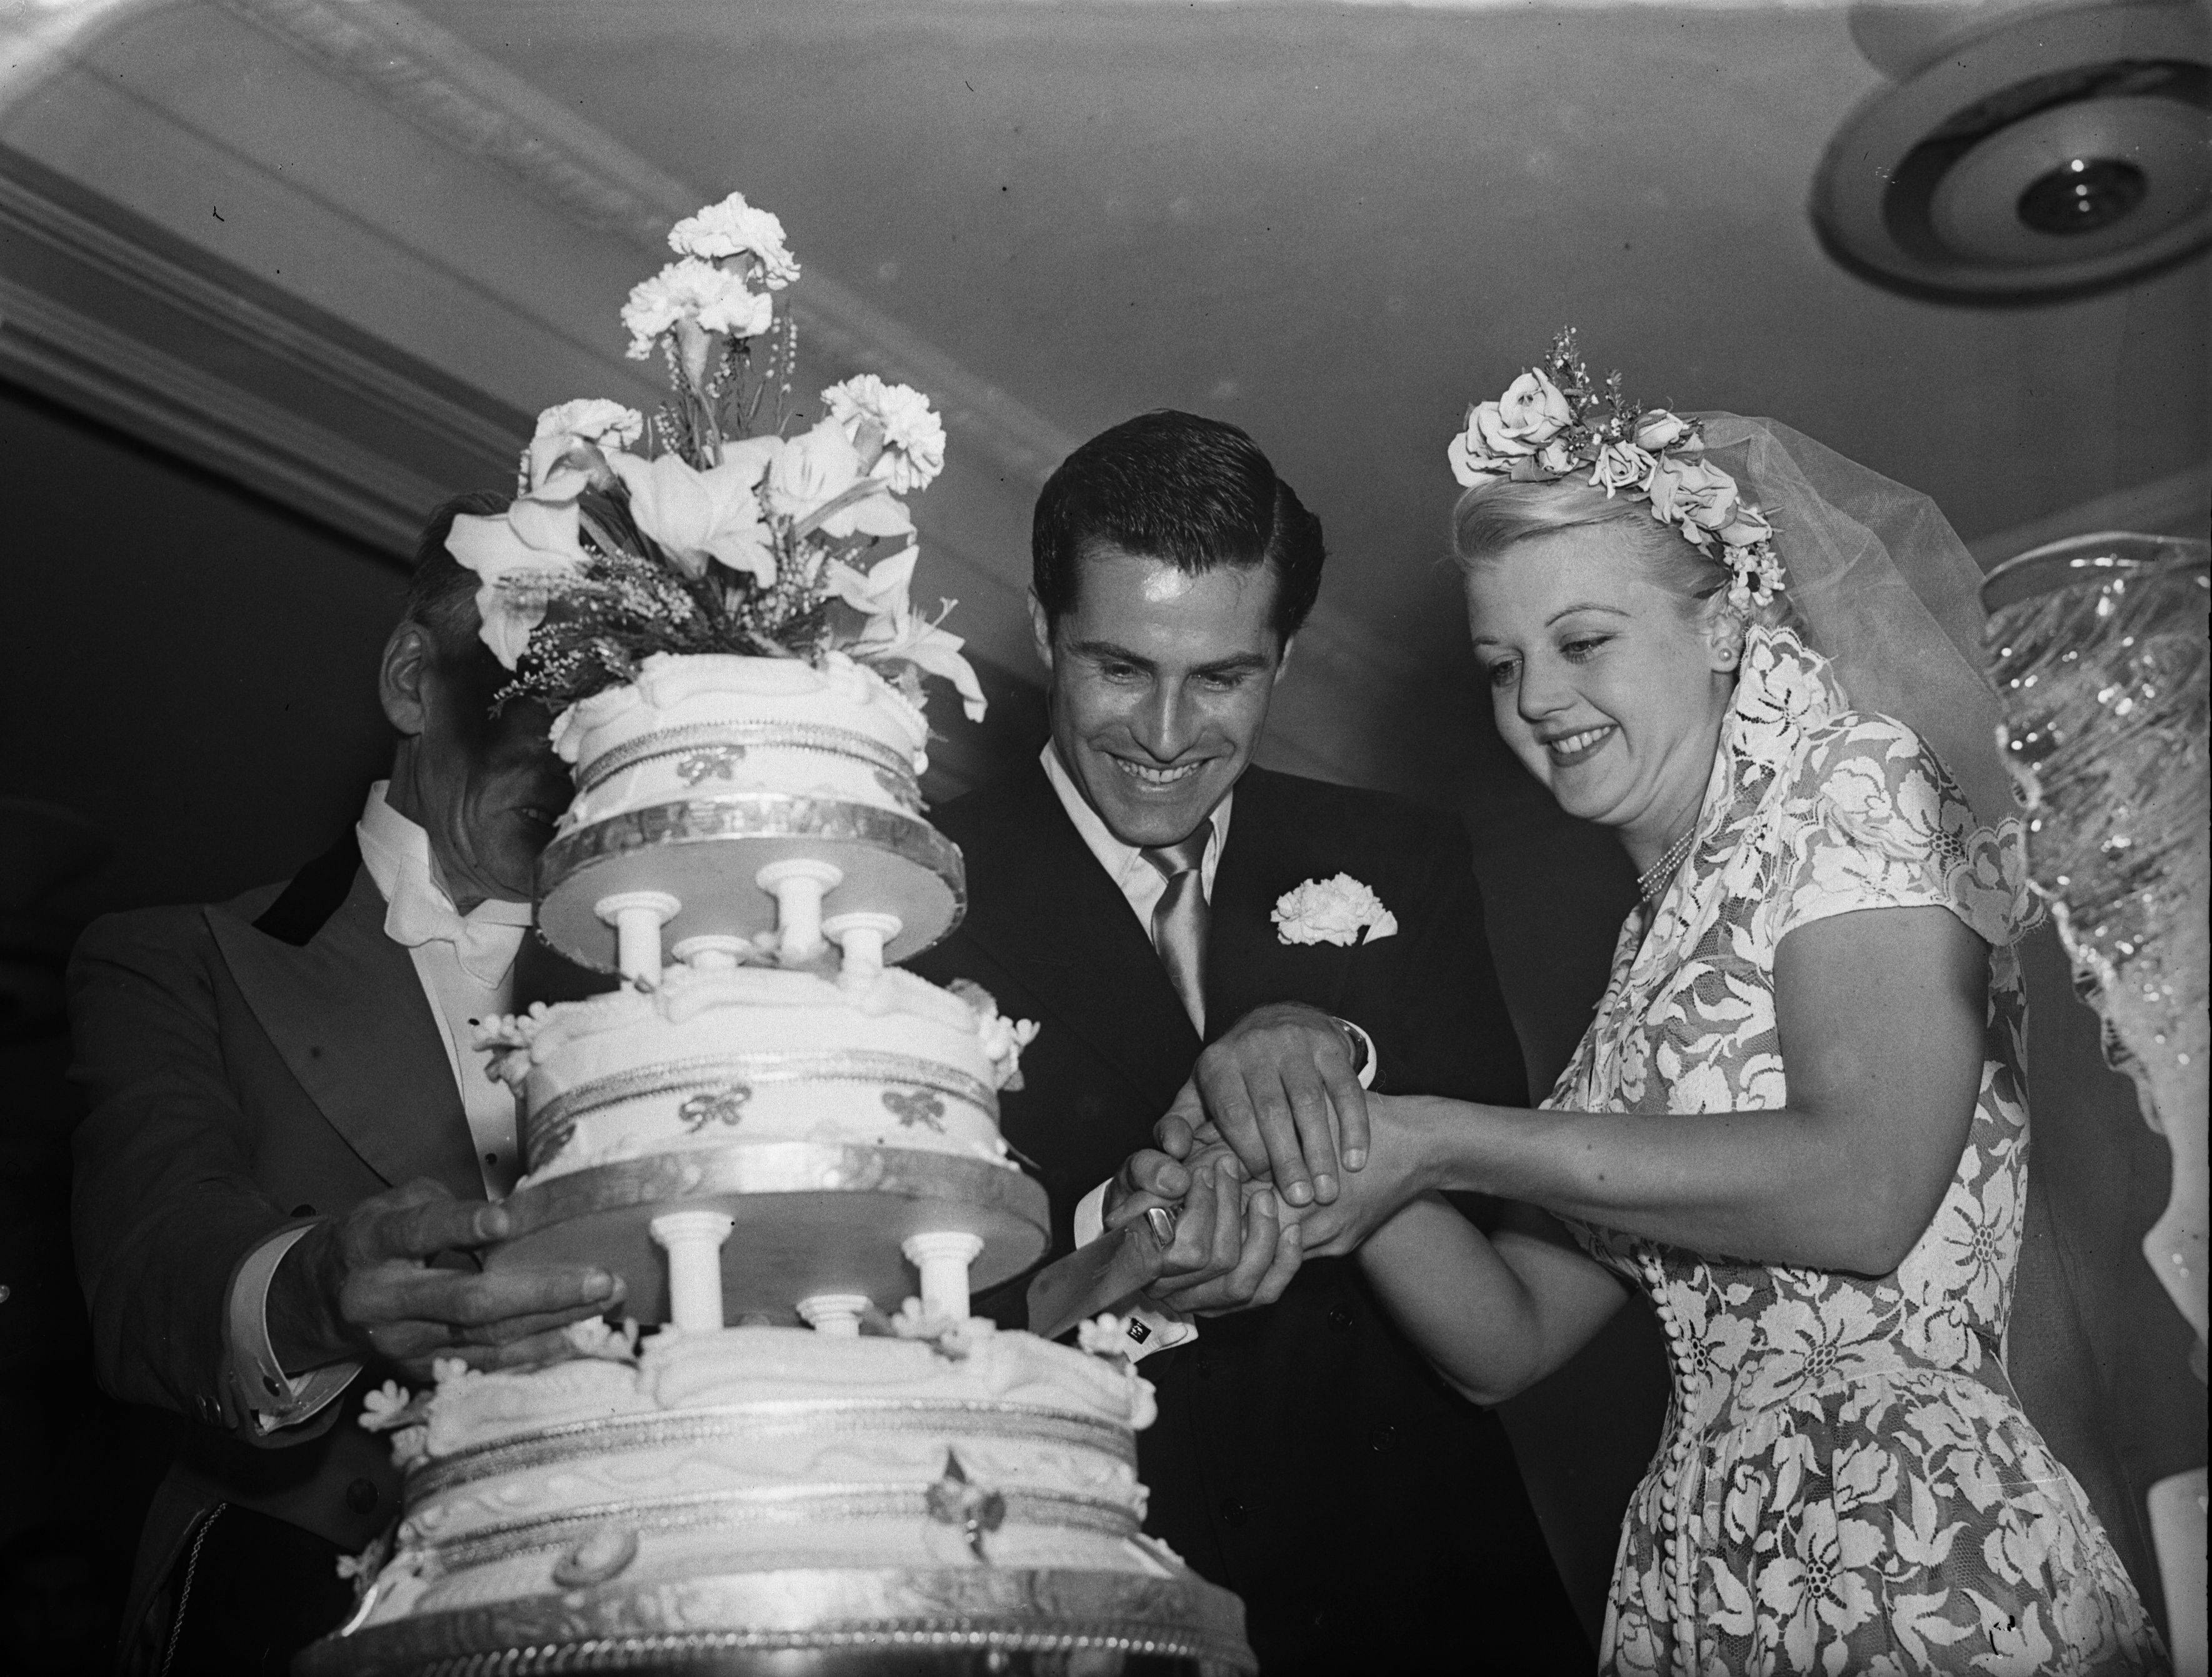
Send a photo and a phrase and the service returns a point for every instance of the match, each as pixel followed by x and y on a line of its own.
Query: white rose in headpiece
pixel 1659 429
pixel 1620 465
pixel 572 437
pixel 697 516
pixel 1341 910
pixel 1469 464
pixel 1695 496
pixel 733 227
pixel 895 420
pixel 1747 528
pixel 535 539
pixel 816 479
pixel 698 293
pixel 1529 414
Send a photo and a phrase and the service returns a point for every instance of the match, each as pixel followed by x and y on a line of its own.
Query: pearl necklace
pixel 1654 878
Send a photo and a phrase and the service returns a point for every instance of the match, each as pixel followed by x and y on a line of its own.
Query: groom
pixel 1126 891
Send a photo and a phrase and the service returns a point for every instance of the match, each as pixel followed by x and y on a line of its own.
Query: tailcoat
pixel 1305 1456
pixel 249 1066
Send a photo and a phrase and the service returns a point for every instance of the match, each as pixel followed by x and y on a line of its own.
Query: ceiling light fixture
pixel 2039 154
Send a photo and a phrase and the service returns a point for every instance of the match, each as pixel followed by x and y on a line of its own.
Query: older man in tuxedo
pixel 1124 891
pixel 292 1151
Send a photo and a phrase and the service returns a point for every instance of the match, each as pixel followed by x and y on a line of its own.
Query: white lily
pixel 534 537
pixel 816 483
pixel 897 633
pixel 697 516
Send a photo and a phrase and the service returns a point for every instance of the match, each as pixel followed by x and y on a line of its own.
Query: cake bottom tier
pixel 833 1622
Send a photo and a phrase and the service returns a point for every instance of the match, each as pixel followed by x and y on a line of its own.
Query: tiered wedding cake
pixel 812 1458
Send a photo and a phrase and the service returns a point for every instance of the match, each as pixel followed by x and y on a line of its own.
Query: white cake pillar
pixel 714 951
pixel 943 1260
pixel 861 939
pixel 837 1314
pixel 637 918
pixel 797 886
pixel 694 1243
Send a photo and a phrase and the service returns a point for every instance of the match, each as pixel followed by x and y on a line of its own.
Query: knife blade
pixel 1100 1275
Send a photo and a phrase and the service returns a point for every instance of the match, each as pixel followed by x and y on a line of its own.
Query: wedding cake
pixel 799 1450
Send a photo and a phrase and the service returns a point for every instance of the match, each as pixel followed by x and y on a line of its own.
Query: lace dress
pixel 1847 1482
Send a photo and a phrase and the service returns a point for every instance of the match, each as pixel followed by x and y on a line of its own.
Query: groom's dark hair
pixel 1195 492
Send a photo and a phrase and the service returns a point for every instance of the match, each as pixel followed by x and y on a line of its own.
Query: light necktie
pixel 1179 920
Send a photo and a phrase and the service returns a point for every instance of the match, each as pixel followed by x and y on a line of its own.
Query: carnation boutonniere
pixel 1333 911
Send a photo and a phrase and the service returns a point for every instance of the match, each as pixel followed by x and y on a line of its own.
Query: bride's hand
pixel 1398 1129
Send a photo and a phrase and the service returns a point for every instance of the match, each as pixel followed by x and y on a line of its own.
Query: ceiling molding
pixel 179 406
pixel 309 346
pixel 445 87
pixel 109 315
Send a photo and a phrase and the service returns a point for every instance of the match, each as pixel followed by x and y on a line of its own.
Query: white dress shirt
pixel 466 964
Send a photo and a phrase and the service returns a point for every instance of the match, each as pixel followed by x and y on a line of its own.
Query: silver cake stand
pixel 1017 1621
pixel 810 1218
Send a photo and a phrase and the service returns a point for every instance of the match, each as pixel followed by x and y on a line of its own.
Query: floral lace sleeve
pixel 1877 823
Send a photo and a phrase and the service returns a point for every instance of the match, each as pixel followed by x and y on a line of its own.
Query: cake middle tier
pixel 754 1053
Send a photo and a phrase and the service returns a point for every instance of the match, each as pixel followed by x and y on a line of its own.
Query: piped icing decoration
pixel 1003 1039
pixel 1553 422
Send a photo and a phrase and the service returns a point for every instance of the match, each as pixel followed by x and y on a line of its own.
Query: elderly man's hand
pixel 1233 1249
pixel 362 1285
pixel 1280 1087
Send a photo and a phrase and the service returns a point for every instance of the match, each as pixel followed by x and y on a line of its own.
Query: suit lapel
pixel 346 1011
pixel 1044 909
pixel 1247 962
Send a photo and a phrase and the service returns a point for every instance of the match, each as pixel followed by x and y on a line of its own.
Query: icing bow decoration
pixel 717 527
pixel 1553 422
pixel 955 1501
pixel 1341 910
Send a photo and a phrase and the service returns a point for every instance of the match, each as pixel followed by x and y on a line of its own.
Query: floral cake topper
pixel 716 528
pixel 1553 422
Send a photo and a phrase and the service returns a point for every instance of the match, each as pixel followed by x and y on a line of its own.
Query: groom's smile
pixel 1161 681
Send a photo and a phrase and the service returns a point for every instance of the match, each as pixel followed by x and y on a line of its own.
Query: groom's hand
pixel 1231 1250
pixel 1280 1087
pixel 365 1285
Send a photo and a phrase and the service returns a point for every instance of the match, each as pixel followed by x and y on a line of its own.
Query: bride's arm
pixel 1494 1314
pixel 1880 1014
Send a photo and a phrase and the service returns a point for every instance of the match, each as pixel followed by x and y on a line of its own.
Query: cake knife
pixel 1099 1276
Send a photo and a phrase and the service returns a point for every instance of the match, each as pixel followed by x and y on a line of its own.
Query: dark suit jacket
pixel 1306 1455
pixel 249 1066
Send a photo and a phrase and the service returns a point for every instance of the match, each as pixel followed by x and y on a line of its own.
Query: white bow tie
pixel 486 939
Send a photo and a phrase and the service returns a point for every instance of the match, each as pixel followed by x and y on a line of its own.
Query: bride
pixel 1797 1122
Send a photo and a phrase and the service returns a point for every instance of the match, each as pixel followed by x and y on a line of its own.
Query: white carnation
pixel 572 437
pixel 1341 910
pixel 733 226
pixel 695 290
pixel 913 435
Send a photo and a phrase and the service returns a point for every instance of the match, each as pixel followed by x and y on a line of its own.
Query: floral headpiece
pixel 1553 422
pixel 715 535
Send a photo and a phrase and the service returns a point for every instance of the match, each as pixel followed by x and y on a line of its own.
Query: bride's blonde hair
pixel 1499 512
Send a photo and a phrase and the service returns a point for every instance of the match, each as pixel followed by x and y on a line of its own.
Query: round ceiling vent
pixel 2055 153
